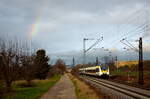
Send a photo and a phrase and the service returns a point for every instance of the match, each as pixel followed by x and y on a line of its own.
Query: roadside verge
pixel 83 91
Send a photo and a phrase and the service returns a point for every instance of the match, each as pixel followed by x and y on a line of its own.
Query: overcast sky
pixel 59 26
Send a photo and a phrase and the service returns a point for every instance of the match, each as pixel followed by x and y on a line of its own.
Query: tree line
pixel 19 62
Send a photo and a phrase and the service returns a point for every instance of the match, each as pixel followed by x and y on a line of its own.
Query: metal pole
pixel 86 50
pixel 73 62
pixel 141 80
pixel 116 62
pixel 84 53
pixel 97 62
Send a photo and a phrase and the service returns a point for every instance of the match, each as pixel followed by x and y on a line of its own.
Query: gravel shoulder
pixel 63 89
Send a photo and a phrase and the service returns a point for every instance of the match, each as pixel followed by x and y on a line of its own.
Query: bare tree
pixel 26 61
pixel 59 67
pixel 9 62
pixel 28 69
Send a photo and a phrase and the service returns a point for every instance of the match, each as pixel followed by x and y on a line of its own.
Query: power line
pixel 140 27
pixel 128 45
pixel 86 50
pixel 131 45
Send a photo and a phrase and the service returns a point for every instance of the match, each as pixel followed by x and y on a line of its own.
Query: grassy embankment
pixel 131 68
pixel 36 91
pixel 128 72
pixel 83 91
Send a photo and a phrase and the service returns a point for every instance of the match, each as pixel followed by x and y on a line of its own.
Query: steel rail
pixel 127 90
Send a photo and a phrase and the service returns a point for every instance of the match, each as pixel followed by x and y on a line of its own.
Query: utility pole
pixel 140 51
pixel 141 80
pixel 86 50
pixel 97 62
pixel 73 62
pixel 116 59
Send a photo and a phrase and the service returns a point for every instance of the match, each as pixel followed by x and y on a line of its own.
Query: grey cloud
pixel 62 24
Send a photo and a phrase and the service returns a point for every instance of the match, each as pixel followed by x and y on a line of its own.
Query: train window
pixel 97 69
pixel 104 67
pixel 91 71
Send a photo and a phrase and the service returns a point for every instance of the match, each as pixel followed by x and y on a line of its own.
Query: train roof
pixel 92 67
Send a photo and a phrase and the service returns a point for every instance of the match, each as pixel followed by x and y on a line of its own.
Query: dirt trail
pixel 63 89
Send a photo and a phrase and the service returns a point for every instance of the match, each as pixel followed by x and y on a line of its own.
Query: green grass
pixel 34 92
pixel 131 73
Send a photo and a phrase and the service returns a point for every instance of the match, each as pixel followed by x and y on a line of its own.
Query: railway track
pixel 133 92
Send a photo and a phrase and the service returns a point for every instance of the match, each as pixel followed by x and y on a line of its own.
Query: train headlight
pixel 104 71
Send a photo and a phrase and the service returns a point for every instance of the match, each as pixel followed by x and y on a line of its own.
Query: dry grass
pixel 83 91
pixel 127 63
pixel 36 81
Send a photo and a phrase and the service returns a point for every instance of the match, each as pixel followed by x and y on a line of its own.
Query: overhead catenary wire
pixel 133 31
pixel 134 19
pixel 128 45
pixel 131 44
pixel 94 44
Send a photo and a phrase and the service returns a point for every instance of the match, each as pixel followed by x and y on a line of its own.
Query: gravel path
pixel 63 89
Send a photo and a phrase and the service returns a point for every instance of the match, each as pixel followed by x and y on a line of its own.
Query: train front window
pixel 104 67
pixel 97 69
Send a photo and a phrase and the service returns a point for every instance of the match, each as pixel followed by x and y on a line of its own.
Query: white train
pixel 99 71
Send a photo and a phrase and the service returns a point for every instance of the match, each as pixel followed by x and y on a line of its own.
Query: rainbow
pixel 33 29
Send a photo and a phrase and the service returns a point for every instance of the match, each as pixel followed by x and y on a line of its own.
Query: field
pixel 134 63
pixel 36 91
pixel 127 63
pixel 130 77
pixel 128 72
